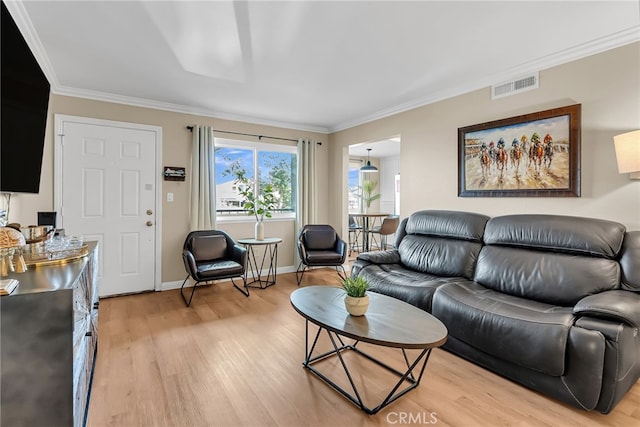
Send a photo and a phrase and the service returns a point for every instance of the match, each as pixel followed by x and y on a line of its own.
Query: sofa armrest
pixel 619 305
pixel 380 257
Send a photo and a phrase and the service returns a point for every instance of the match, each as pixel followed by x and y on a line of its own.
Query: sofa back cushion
pixel 444 243
pixel 547 277
pixel 550 258
pixel 566 234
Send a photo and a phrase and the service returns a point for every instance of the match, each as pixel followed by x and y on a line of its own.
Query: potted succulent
pixel 356 301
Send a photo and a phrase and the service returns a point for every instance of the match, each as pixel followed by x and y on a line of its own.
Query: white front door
pixel 107 192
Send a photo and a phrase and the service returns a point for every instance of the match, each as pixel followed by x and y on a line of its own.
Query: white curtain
pixel 307 197
pixel 203 195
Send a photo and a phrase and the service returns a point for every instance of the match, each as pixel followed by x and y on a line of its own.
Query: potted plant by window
pixel 367 196
pixel 260 206
pixel 356 301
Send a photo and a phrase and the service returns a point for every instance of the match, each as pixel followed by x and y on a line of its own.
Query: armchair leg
pixel 342 275
pixel 188 303
pixel 300 273
pixel 244 291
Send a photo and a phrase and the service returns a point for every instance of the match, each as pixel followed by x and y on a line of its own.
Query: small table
pixel 271 248
pixel 366 226
pixel 388 322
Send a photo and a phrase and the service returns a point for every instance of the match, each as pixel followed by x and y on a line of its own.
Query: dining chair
pixel 355 230
pixel 388 227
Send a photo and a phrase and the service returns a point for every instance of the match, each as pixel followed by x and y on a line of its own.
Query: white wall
pixel 608 87
pixel 389 167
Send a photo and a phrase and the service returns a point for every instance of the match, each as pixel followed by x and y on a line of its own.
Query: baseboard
pixel 165 286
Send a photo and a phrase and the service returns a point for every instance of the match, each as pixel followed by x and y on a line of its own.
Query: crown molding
pixel 179 108
pixel 624 37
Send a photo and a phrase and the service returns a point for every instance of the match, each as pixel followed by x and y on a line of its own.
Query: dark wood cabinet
pixel 48 343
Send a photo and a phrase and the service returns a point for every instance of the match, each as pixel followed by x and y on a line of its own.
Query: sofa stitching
pixel 572 395
pixel 620 328
pixel 494 302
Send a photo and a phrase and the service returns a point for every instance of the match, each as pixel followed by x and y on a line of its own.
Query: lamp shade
pixel 627 146
pixel 368 167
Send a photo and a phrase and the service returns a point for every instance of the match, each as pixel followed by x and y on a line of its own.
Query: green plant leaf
pixel 355 286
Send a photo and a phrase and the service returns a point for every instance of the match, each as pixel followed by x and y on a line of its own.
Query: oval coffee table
pixel 388 322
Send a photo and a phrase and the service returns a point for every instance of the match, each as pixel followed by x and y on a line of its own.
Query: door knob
pixel 149 212
pixel 149 223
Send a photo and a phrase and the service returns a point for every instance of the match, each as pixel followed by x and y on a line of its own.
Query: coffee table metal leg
pixel 339 346
pixel 308 360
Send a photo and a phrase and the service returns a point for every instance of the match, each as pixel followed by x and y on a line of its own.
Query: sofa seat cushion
pixel 528 333
pixel 410 286
pixel 217 269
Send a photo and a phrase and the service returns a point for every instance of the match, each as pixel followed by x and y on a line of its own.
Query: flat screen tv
pixel 25 101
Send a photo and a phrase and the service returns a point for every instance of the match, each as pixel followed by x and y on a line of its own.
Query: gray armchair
pixel 320 246
pixel 212 255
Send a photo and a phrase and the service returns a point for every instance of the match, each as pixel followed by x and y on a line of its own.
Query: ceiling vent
pixel 521 84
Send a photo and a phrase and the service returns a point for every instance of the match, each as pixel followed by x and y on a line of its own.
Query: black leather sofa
pixel 551 302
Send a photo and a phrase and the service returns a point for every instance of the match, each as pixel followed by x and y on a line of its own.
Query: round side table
pixel 269 255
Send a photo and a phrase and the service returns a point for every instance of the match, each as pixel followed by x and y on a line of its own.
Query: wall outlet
pixel 169 197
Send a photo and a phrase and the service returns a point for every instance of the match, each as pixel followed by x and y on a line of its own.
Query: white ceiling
pixel 379 149
pixel 308 65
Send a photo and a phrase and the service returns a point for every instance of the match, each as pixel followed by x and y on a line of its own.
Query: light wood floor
pixel 230 360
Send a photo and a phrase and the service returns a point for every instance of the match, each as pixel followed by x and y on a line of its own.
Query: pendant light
pixel 368 167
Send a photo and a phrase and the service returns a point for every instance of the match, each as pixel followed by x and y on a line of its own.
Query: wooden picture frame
pixel 533 155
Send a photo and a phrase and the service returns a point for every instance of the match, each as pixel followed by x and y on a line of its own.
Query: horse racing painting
pixel 533 155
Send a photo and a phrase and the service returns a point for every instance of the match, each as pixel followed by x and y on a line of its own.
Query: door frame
pixel 60 120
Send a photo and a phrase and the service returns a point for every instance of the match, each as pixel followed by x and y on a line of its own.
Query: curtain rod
pixel 252 134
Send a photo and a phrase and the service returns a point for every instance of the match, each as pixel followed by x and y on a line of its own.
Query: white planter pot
pixel 259 230
pixel 356 306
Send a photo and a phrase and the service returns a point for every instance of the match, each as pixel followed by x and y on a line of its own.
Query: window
pixel 238 163
pixel 354 187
